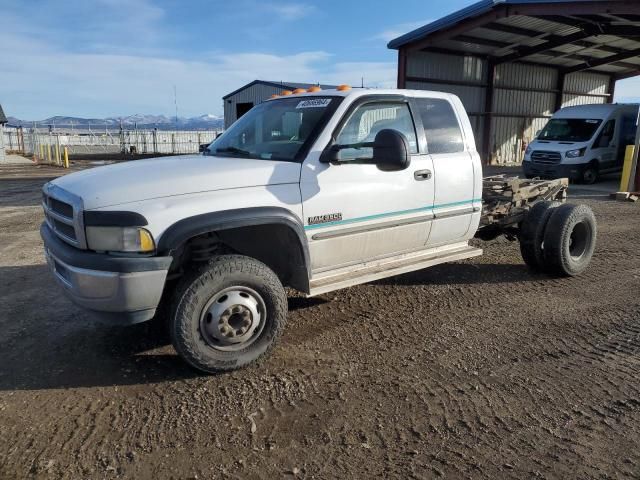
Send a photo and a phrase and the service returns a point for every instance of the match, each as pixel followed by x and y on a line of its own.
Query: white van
pixel 582 142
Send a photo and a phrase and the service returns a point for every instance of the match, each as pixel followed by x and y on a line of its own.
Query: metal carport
pixel 515 62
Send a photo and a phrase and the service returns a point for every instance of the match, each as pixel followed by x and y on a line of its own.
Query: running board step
pixel 335 280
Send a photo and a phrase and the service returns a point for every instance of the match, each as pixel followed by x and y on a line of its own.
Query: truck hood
pixel 138 180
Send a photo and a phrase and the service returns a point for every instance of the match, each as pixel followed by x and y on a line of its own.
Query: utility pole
pixel 175 102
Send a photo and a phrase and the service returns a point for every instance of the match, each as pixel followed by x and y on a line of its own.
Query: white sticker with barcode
pixel 314 103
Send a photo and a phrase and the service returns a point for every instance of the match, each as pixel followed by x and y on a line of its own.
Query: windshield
pixel 281 129
pixel 570 129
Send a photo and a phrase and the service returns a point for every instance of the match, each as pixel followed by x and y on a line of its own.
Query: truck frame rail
pixel 506 201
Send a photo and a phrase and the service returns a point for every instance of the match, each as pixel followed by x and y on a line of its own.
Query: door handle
pixel 422 174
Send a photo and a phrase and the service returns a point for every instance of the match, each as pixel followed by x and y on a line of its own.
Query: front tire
pixel 228 314
pixel 590 174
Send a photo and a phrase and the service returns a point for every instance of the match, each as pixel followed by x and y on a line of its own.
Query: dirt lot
pixel 478 369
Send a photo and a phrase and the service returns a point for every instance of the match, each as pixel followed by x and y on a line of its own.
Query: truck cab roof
pixel 360 92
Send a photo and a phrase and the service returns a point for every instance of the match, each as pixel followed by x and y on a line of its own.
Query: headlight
pixel 575 153
pixel 120 239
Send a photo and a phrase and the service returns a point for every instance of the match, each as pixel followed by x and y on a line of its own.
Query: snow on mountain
pixel 207 121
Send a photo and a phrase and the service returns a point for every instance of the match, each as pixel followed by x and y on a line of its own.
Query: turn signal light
pixel 286 92
pixel 314 89
pixel 343 88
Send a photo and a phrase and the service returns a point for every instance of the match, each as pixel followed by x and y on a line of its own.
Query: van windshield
pixel 281 129
pixel 570 129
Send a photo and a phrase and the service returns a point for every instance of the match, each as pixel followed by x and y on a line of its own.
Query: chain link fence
pixel 49 145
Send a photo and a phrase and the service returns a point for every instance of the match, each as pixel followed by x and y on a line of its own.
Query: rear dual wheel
pixel 558 239
pixel 570 240
pixel 532 234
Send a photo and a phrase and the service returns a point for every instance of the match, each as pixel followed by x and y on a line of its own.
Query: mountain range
pixel 161 122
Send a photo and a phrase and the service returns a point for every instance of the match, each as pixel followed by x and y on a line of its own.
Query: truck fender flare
pixel 190 227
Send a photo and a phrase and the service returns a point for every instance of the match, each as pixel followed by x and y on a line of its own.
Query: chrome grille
pixel 546 157
pixel 63 213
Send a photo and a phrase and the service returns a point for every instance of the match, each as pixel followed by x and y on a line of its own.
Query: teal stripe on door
pixel 391 214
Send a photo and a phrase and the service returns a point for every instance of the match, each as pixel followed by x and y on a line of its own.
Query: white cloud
pixel 290 11
pixel 43 74
pixel 400 29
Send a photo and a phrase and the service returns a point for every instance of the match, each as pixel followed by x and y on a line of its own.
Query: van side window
pixel 367 121
pixel 606 135
pixel 628 130
pixel 441 126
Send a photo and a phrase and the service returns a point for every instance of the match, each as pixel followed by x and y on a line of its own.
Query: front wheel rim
pixel 590 176
pixel 233 318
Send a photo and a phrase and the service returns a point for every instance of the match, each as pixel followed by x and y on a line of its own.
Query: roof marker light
pixel 286 92
pixel 343 88
pixel 275 95
pixel 299 90
pixel 315 88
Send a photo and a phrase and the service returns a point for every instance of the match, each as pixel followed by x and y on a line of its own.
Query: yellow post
pixel 58 161
pixel 48 152
pixel 41 152
pixel 626 169
pixel 66 157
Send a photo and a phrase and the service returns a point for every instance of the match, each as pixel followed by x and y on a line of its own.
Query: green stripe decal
pixel 391 214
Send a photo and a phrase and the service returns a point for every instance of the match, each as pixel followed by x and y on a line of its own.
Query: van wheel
pixel 570 239
pixel 590 174
pixel 531 234
pixel 228 314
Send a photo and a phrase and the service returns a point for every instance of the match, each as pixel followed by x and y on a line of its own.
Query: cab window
pixel 441 126
pixel 367 121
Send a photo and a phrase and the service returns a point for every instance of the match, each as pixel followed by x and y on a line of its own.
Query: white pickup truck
pixel 314 191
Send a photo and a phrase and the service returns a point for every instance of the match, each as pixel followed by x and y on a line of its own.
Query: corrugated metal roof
pixel 471 11
pixel 284 85
pixel 572 35
pixel 3 119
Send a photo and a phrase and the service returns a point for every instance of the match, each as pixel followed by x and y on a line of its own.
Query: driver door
pixel 355 212
pixel 605 148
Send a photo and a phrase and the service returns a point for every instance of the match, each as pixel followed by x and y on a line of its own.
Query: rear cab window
pixel 441 127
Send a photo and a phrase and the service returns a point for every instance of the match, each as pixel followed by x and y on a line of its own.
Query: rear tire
pixel 228 314
pixel 570 240
pixel 532 234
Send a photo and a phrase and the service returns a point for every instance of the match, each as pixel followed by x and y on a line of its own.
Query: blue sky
pixel 103 58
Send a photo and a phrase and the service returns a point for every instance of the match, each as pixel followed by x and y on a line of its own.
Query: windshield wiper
pixel 233 150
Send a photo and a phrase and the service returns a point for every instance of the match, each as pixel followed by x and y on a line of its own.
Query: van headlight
pixel 120 239
pixel 575 153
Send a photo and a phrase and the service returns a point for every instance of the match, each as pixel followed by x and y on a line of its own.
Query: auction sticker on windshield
pixel 314 103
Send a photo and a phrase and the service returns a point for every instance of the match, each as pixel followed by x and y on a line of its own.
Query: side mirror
pixel 391 150
pixel 538 133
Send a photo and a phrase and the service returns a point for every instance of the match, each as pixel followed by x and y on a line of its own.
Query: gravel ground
pixel 478 369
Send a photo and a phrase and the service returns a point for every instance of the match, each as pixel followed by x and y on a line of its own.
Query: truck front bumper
pixel 572 172
pixel 124 290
